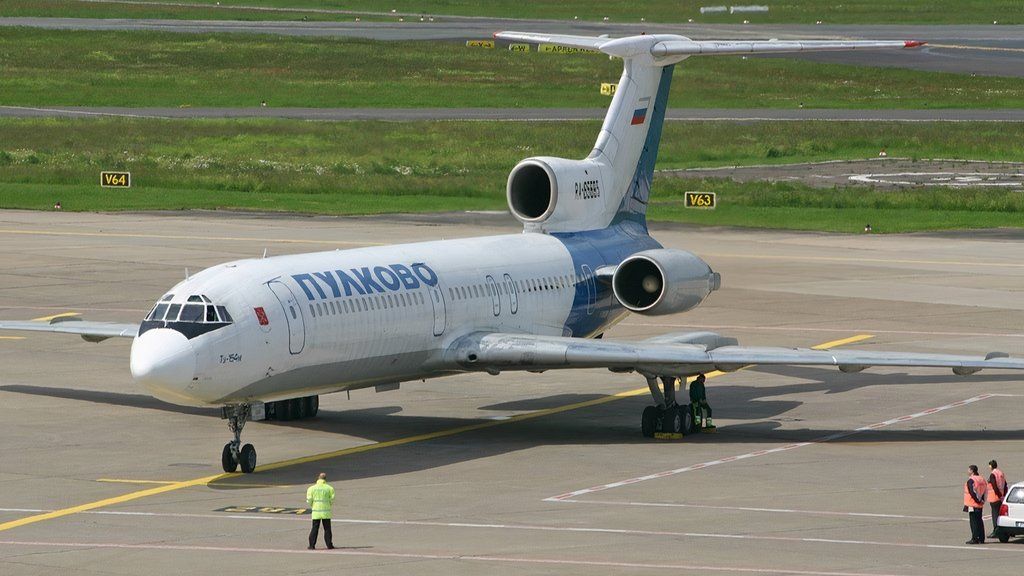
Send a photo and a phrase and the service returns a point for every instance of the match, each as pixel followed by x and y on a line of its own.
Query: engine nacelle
pixel 547 193
pixel 663 281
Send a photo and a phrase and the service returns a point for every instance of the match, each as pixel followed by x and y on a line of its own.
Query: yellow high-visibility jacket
pixel 320 497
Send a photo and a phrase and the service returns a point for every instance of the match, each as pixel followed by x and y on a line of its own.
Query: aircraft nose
pixel 164 362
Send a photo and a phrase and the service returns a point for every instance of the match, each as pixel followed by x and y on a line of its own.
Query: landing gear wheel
pixel 301 407
pixel 689 423
pixel 247 458
pixel 312 405
pixel 1003 536
pixel 672 421
pixel 649 421
pixel 227 459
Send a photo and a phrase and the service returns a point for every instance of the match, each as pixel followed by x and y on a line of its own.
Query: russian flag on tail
pixel 640 114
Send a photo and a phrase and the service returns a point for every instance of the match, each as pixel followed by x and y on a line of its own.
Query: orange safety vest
pixel 994 490
pixel 979 487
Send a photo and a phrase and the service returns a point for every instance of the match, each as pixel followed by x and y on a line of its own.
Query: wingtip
pixel 913 44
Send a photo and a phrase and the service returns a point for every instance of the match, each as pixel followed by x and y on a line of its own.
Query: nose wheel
pixel 234 454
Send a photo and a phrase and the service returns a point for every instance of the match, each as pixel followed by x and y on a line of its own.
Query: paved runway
pixel 974 49
pixel 554 478
pixel 519 114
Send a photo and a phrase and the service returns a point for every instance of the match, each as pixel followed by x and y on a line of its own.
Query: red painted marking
pixel 913 44
pixel 261 315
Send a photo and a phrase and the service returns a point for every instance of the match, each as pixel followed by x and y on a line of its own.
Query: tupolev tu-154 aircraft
pixel 274 333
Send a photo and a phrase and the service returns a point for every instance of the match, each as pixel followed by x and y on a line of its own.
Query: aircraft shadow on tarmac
pixel 608 423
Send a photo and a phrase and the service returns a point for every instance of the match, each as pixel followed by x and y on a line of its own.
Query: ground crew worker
pixel 996 493
pixel 320 497
pixel 699 401
pixel 974 504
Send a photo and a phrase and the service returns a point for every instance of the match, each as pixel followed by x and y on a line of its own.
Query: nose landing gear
pixel 234 454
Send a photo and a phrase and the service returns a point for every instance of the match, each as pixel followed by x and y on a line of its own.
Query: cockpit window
pixel 211 313
pixel 192 313
pixel 195 298
pixel 172 312
pixel 167 298
pixel 224 316
pixel 158 312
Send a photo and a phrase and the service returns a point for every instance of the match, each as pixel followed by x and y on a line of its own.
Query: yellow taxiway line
pixel 172 486
pixel 184 237
pixel 61 315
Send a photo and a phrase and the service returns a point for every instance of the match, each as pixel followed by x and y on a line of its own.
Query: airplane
pixel 271 334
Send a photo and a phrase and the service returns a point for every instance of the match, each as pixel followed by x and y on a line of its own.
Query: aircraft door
pixel 492 287
pixel 440 310
pixel 513 294
pixel 588 279
pixel 292 314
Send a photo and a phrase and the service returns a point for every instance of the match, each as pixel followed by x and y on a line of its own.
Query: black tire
pixel 649 421
pixel 248 458
pixel 314 406
pixel 1003 536
pixel 286 410
pixel 689 424
pixel 672 421
pixel 301 407
pixel 227 460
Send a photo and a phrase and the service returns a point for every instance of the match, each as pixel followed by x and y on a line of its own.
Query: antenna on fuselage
pixel 264 252
pixel 186 273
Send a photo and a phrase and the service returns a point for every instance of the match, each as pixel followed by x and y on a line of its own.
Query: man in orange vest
pixel 974 503
pixel 996 493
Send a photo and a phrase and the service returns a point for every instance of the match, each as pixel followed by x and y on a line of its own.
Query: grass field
pixel 42 68
pixel 377 167
pixel 796 11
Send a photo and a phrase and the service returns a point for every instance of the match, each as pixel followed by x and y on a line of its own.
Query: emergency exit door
pixel 292 314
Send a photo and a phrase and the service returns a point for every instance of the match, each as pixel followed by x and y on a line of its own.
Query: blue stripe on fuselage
pixel 590 251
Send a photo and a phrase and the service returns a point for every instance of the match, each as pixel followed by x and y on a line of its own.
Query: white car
pixel 1011 516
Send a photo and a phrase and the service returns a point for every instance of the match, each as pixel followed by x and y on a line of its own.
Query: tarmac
pixel 993 50
pixel 811 471
pixel 520 114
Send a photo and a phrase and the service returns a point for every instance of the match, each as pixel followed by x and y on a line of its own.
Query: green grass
pixel 788 11
pixel 380 167
pixel 49 68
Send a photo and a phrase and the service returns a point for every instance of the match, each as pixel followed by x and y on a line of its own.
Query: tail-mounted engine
pixel 663 281
pixel 555 194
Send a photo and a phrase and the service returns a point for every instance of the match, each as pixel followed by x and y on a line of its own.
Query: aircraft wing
pixel 89 331
pixel 685 355
pixel 671 46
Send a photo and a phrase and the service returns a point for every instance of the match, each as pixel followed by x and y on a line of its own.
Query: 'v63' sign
pixel 700 200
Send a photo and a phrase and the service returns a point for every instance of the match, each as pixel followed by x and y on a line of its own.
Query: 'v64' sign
pixel 116 179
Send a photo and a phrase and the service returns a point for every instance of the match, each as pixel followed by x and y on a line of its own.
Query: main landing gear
pixel 293 409
pixel 234 454
pixel 666 416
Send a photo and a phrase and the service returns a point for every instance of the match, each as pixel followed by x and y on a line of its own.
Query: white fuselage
pixel 328 321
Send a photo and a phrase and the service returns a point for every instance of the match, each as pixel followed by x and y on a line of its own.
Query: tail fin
pixel 627 147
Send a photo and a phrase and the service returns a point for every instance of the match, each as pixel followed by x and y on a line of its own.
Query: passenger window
pixel 312 311
pixel 192 312
pixel 223 312
pixel 172 312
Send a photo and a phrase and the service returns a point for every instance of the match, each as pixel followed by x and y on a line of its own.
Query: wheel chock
pixel 709 430
pixel 668 436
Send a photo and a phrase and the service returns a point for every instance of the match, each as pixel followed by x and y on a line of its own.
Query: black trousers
pixel 977 524
pixel 995 514
pixel 327 533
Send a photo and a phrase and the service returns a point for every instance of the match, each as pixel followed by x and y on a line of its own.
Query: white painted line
pixel 543 528
pixel 798 329
pixel 836 436
pixel 769 510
